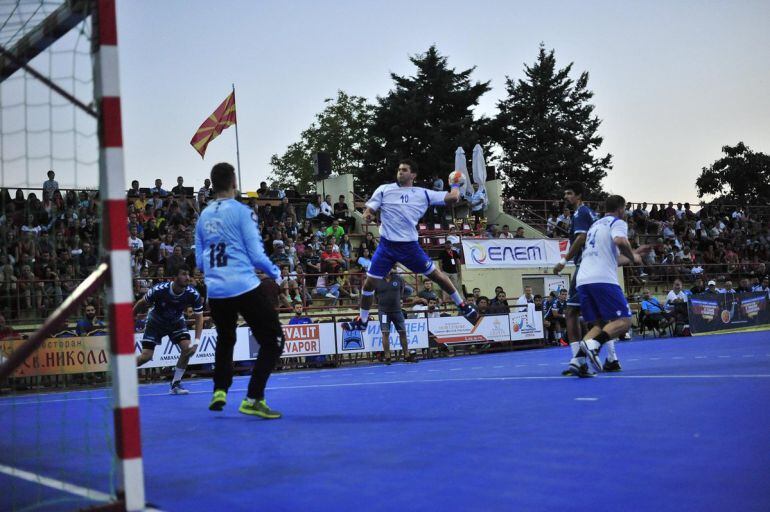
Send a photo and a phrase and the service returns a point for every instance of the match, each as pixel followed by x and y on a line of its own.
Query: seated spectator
pixel 365 258
pixel 764 287
pixel 133 192
pixel 178 190
pixel 335 230
pixel 134 242
pixel 526 298
pixel 711 287
pixel 744 286
pixel 299 317
pixel 327 286
pixel 519 232
pixel 426 311
pixel 174 261
pixel 279 256
pixel 482 305
pixel 313 209
pixel 263 191
pixel 90 323
pixel 506 232
pixel 676 303
pixel 655 315
pixel 427 293
pixel 499 305
pixel 331 260
pixel 697 287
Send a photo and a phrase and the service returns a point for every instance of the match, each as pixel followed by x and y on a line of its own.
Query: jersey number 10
pixel 217 255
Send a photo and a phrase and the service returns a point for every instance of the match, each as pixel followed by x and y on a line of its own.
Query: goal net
pixel 68 391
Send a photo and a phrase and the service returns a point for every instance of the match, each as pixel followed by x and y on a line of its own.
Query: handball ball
pixel 456 178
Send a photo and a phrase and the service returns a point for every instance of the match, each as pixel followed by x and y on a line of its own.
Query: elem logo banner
pixel 513 252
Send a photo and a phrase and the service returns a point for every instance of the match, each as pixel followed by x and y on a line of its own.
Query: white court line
pixel 605 378
pixel 503 366
pixel 748 355
pixel 701 357
pixel 677 357
pixel 59 485
pixel 586 399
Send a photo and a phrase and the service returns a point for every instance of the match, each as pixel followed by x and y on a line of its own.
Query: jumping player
pixel 167 302
pixel 228 247
pixel 601 298
pixel 582 218
pixel 401 206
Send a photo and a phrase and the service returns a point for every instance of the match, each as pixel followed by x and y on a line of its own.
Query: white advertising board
pixel 370 340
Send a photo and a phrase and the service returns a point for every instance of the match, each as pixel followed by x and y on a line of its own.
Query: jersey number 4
pixel 217 255
pixel 591 239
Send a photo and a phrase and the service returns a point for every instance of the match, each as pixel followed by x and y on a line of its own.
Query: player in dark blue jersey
pixel 167 302
pixel 582 218
pixel 228 249
pixel 555 313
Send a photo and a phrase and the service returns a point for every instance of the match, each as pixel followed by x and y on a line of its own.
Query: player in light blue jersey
pixel 401 205
pixel 228 249
pixel 602 302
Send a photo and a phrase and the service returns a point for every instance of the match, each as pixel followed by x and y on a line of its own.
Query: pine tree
pixel 425 117
pixel 547 132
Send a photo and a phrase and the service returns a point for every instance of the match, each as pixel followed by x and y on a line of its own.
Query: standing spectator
pixel 174 261
pixel 477 201
pixel 133 192
pixel 550 225
pixel 506 232
pixel 527 298
pixel 449 260
pixel 90 323
pixel 178 190
pixel 158 188
pixel 435 214
pixel 263 191
pixel 390 292
pixel 50 185
pixel 206 189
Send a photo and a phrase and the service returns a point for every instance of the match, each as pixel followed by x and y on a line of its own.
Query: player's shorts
pixel 155 331
pixel 602 301
pixel 409 254
pixel 560 321
pixel 396 318
pixel 573 300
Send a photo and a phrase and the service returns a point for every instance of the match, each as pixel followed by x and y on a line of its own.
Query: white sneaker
pixel 330 296
pixel 177 389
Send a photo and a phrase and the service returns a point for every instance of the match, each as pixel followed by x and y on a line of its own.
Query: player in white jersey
pixel 401 206
pixel 602 302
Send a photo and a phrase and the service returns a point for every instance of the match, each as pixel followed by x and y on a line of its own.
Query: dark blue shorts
pixel 409 254
pixel 396 319
pixel 155 331
pixel 573 300
pixel 602 301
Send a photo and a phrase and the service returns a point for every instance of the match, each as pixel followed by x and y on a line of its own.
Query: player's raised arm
pixel 456 181
pixel 254 246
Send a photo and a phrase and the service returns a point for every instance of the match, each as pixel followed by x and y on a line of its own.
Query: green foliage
pixel 341 129
pixel 547 132
pixel 740 177
pixel 425 117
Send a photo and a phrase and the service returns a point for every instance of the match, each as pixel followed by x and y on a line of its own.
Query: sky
pixel 674 81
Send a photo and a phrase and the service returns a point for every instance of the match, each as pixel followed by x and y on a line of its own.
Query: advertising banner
pixel 167 354
pixel 370 340
pixel 301 340
pixel 554 284
pixel 718 312
pixel 59 356
pixel 513 252
pixel 456 329
pixel 526 324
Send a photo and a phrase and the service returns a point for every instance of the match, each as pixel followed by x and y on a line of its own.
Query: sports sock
pixel 611 355
pixel 456 298
pixel 178 374
pixel 251 401
pixel 602 338
pixel 364 314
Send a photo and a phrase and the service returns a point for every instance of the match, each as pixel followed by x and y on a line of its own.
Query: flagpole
pixel 237 147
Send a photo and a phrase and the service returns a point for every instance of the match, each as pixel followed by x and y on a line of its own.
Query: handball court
pixel 685 426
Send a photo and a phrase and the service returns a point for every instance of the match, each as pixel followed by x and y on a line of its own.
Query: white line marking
pixel 433 370
pixel 677 357
pixel 477 368
pixel 389 372
pixel 586 399
pixel 748 355
pixel 543 364
pixel 605 378
pixel 724 357
pixel 654 359
pixel 521 365
pixel 502 366
pixel 59 485
pixel 411 371
pixel 701 357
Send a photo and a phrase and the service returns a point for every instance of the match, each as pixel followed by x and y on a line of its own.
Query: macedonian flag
pixel 223 117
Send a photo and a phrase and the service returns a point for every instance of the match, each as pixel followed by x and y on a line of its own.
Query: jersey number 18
pixel 217 255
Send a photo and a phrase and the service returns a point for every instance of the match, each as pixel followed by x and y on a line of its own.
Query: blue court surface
pixel 685 426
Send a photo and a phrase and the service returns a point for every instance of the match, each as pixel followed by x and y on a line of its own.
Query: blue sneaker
pixel 356 325
pixel 469 312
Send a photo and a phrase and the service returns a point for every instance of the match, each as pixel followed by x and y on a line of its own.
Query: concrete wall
pixel 335 186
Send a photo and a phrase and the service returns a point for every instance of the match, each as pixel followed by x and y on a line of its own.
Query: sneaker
pixel 584 372
pixel 611 366
pixel 218 401
pixel 411 358
pixel 469 312
pixel 330 296
pixel 356 325
pixel 592 356
pixel 572 370
pixel 258 408
pixel 177 389
pixel 563 343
